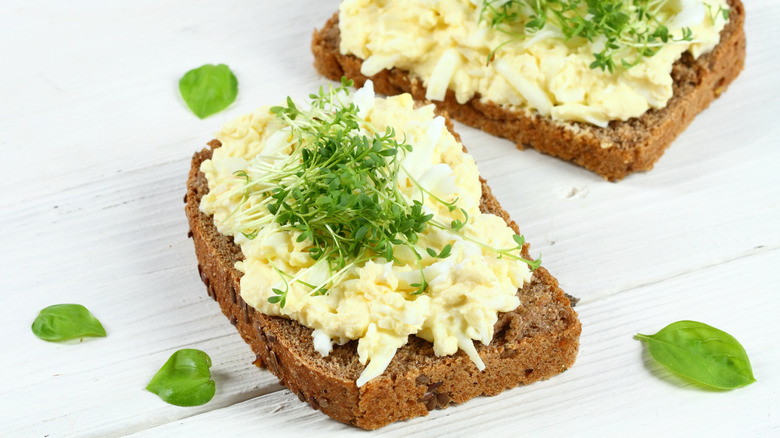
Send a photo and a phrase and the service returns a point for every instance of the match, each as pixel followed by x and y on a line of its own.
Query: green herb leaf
pixel 208 89
pixel 535 264
pixel 280 296
pixel 61 322
pixel 185 379
pixel 702 353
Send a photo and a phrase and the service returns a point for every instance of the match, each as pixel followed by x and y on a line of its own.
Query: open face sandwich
pixel 606 85
pixel 357 251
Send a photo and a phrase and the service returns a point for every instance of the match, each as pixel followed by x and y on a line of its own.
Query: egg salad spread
pixel 450 270
pixel 457 45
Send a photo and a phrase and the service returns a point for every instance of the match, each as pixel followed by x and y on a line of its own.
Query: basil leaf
pixel 61 322
pixel 702 353
pixel 208 89
pixel 185 379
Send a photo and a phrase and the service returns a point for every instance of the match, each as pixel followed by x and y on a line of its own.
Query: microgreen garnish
pixel 337 189
pixel 338 192
pixel 208 89
pixel 630 29
pixel 502 252
pixel 445 252
pixel 280 296
pixel 61 322
pixel 723 12
pixel 458 224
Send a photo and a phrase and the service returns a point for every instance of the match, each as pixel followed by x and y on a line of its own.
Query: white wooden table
pixel 96 145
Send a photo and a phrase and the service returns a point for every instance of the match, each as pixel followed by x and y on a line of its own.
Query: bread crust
pixel 536 341
pixel 612 152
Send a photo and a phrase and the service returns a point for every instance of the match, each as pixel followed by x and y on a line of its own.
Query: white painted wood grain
pixel 130 282
pixel 614 389
pixel 97 145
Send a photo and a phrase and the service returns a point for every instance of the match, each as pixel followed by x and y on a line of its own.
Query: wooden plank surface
pixel 97 146
pixel 614 390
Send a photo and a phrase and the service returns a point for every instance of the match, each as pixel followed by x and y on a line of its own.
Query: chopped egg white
pixel 444 44
pixel 373 302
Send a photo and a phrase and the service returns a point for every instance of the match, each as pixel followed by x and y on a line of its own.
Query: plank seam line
pixel 95 181
pixel 755 251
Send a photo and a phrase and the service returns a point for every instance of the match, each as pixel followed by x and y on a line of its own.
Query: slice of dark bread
pixel 612 152
pixel 536 341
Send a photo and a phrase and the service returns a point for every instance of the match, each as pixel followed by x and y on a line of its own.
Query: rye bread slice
pixel 536 341
pixel 612 152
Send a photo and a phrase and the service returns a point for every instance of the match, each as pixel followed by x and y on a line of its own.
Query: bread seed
pixel 258 362
pixel 422 379
pixel 189 234
pixel 203 276
pixel 431 405
pixel 244 312
pixel 273 363
pixel 233 320
pixel 426 397
pixel 323 402
pixel 508 353
pixel 313 403
pixel 443 399
pixel 434 386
